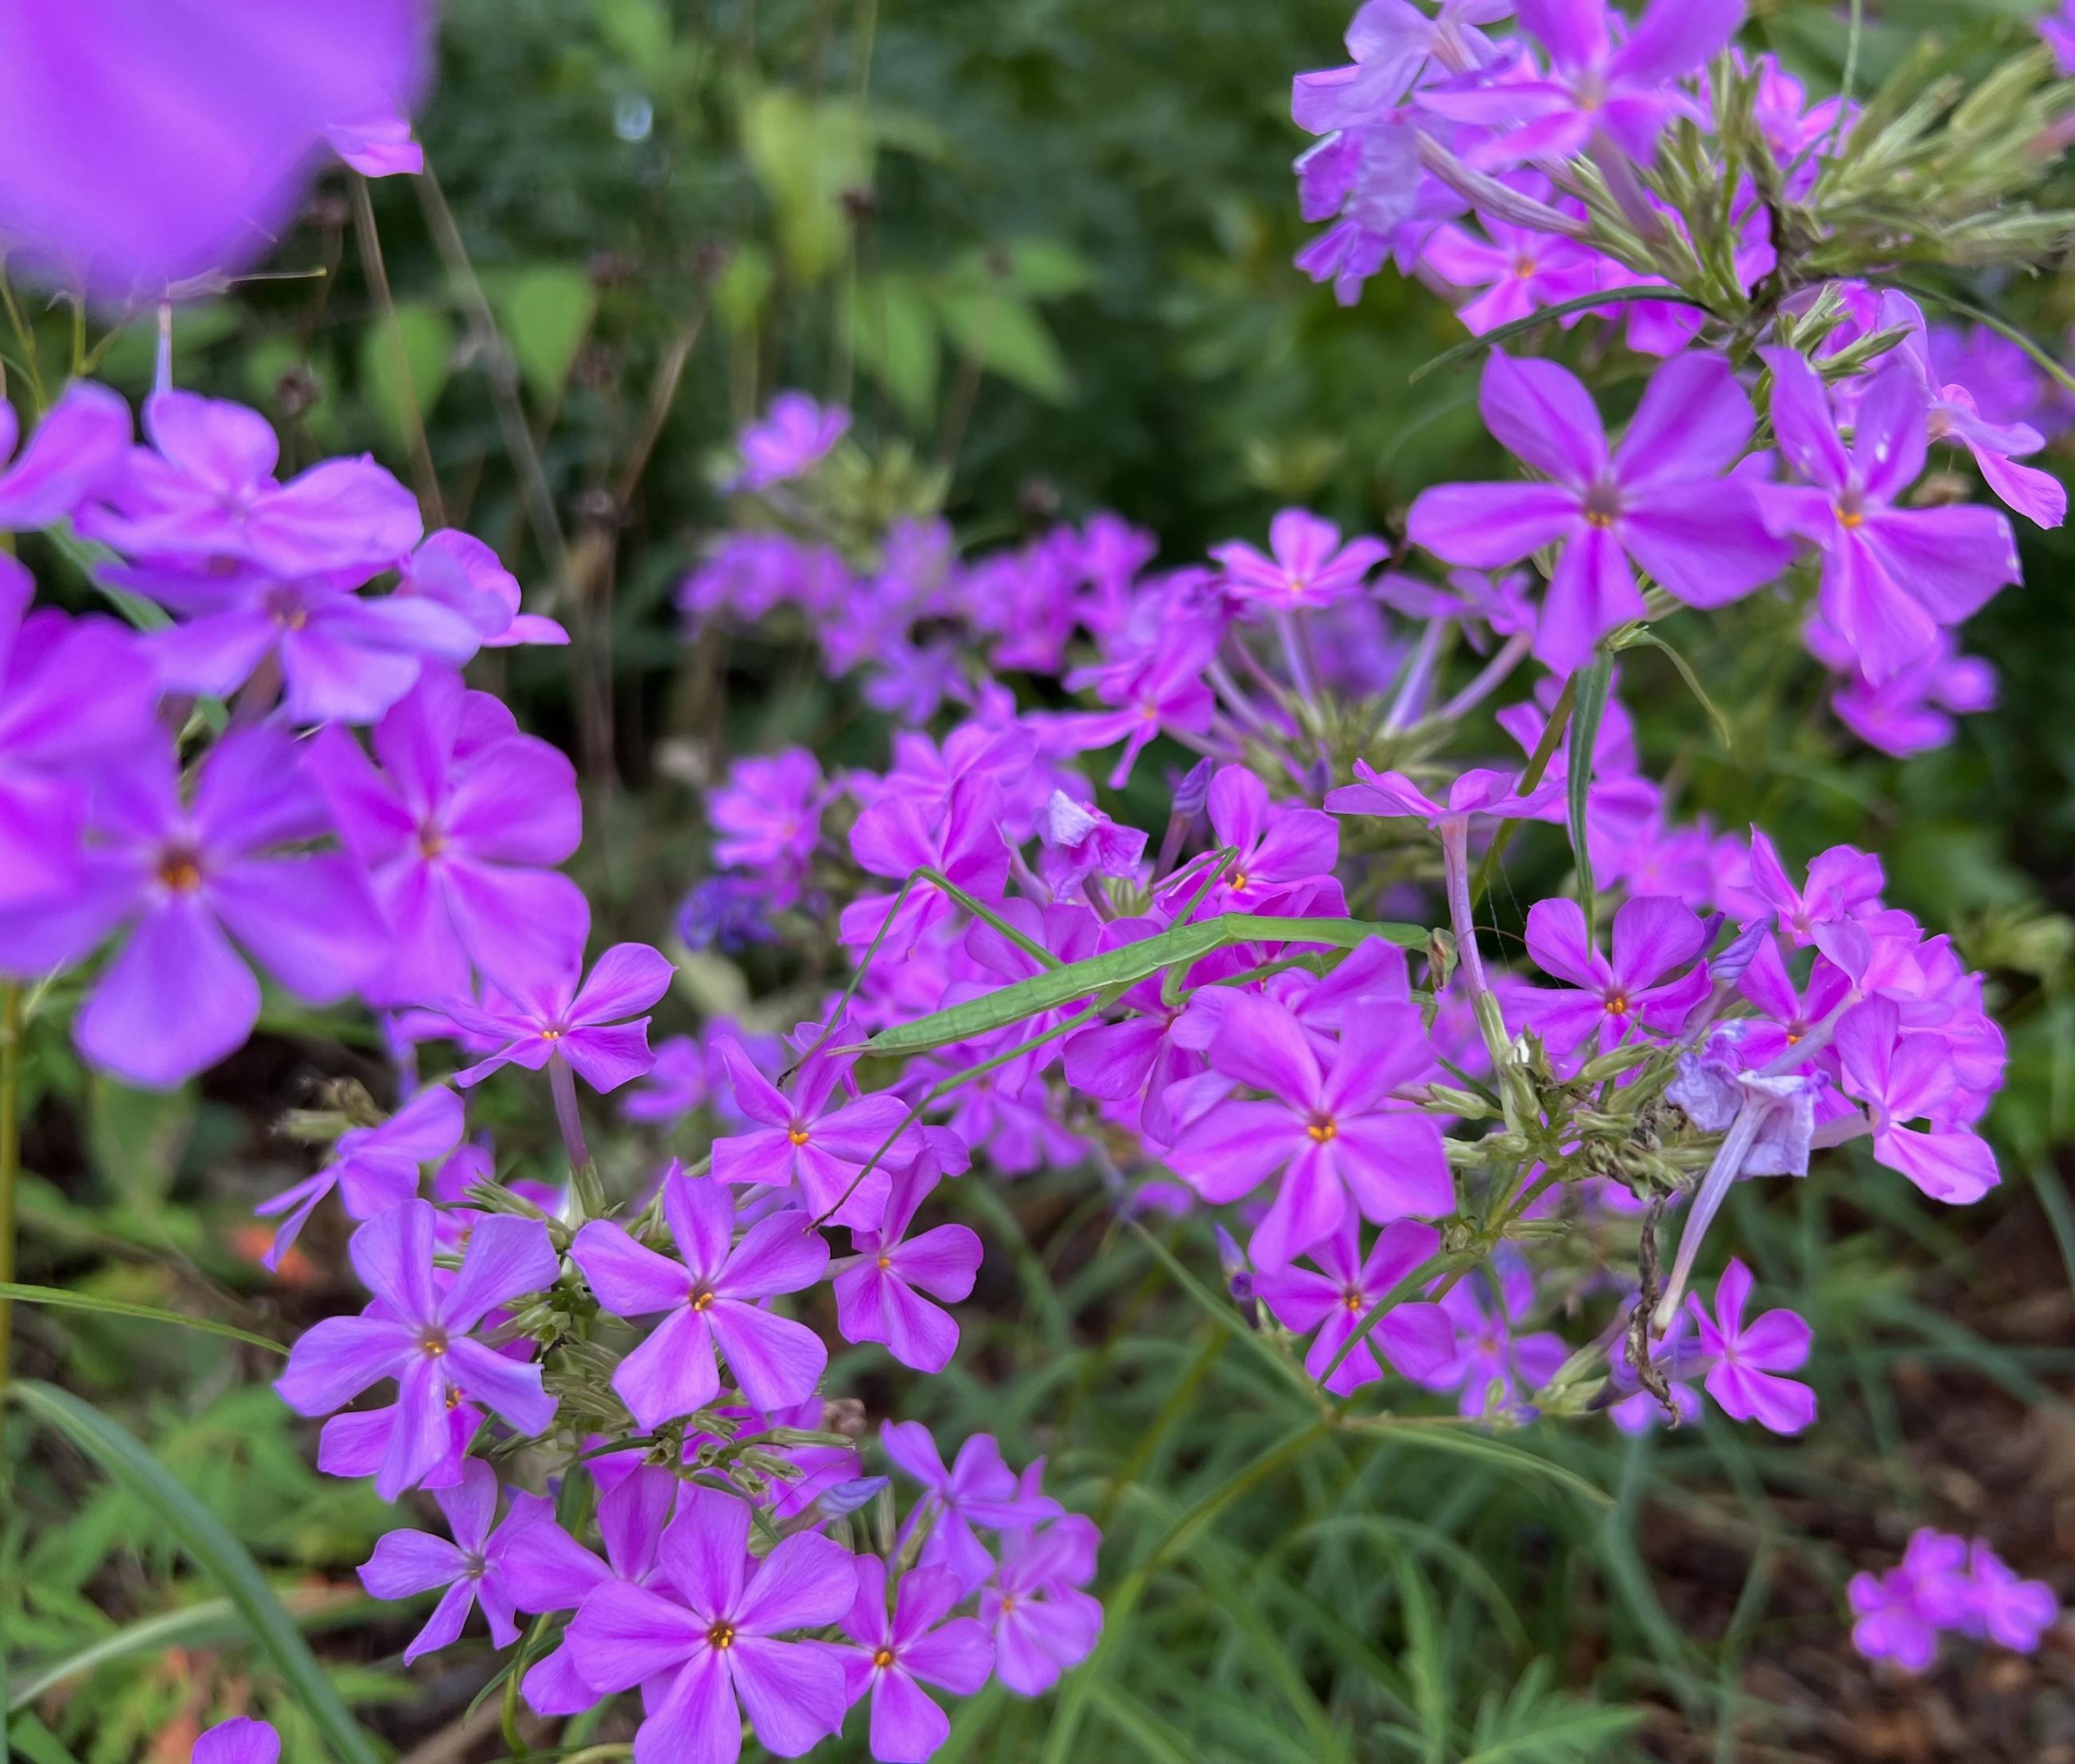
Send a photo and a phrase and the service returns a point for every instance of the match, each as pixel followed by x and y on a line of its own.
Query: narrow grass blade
pixel 1593 686
pixel 58 1299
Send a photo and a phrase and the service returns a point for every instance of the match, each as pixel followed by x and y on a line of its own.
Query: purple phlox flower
pixel 1953 414
pixel 1659 500
pixel 1279 848
pixel 182 136
pixel 711 1300
pixel 355 1445
pixel 1791 1015
pixel 1416 1337
pixel 819 1139
pixel 1902 1077
pixel 1392 793
pixel 793 436
pixel 1912 711
pixel 1161 687
pixel 460 572
pixel 241 1740
pixel 1311 567
pixel 1717 1083
pixel 2056 30
pixel 1674 1357
pixel 1844 883
pixel 472 1568
pixel 730 913
pixel 1654 979
pixel 554 1572
pixel 203 496
pixel 1788 122
pixel 678 1083
pixel 958 836
pixel 341 657
pixel 1335 1134
pixel 768 818
pixel 420 1335
pixel 583 1026
pixel 73 692
pixel 456 829
pixel 1892 576
pixel 82 437
pixel 1745 1360
pixel 1519 270
pixel 1394 45
pixel 919 1643
pixel 877 1288
pixel 1900 1612
pixel 911 682
pixel 373 1168
pixel 1043 1624
pixel 2008 386
pixel 1079 840
pixel 1604 91
pixel 177 996
pixel 1497 1367
pixel 2011 1612
pixel 710 1652
pixel 978 1489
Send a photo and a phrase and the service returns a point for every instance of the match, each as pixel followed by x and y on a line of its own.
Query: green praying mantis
pixel 1101 980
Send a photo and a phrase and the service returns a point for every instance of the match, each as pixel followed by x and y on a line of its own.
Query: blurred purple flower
pixel 791 437
pixel 240 1740
pixel 176 997
pixel 144 142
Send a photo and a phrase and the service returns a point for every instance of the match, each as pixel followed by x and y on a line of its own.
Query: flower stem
pixel 583 1170
pixel 11 1171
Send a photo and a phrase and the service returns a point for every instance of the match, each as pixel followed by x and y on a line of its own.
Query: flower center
pixel 454 1396
pixel 1618 1004
pixel 1297 583
pixel 551 1034
pixel 1602 505
pixel 1851 513
pixel 1321 1129
pixel 431 842
pixel 702 1300
pixel 1238 880
pixel 883 1657
pixel 798 1134
pixel 433 1343
pixel 180 870
pixel 885 1261
pixel 1524 267
pixel 1352 1300
pixel 721 1636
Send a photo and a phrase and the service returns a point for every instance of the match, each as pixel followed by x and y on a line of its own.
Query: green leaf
pixel 1586 714
pixel 807 155
pixel 60 1299
pixel 545 312
pixel 1002 332
pixel 202 1538
pixel 404 367
pixel 894 330
pixel 137 1138
pixel 1646 636
pixel 1437 1435
pixel 636 30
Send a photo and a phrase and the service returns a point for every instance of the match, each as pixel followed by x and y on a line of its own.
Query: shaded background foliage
pixel 1045 245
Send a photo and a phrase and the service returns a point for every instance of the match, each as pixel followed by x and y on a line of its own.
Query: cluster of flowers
pixel 197 796
pixel 1945 1583
pixel 1466 160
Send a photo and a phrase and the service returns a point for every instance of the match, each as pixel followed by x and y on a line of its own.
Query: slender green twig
pixel 377 272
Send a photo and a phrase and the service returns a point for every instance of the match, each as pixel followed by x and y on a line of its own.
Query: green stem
pixel 10 1170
